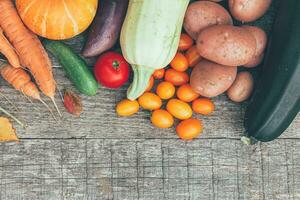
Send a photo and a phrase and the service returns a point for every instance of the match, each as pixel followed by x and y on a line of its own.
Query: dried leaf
pixel 7 132
pixel 72 103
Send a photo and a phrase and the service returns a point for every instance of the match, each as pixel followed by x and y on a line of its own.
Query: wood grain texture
pixel 149 169
pixel 102 156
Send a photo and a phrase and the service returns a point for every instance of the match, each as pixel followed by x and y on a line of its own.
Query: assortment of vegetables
pixel 177 107
pixel 175 73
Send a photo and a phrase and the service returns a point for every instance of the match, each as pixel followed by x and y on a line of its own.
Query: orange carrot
pixel 29 48
pixel 21 81
pixel 8 51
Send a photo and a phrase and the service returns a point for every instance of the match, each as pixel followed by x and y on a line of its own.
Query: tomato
pixel 179 62
pixel 203 106
pixel 185 42
pixel 150 84
pixel 111 70
pixel 186 93
pixel 127 107
pixel 179 109
pixel 165 90
pixel 189 129
pixel 175 77
pixel 193 56
pixel 159 73
pixel 162 119
pixel 150 101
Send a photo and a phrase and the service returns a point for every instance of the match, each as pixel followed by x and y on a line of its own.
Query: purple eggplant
pixel 106 27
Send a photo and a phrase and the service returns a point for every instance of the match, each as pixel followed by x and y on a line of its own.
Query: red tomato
pixel 111 70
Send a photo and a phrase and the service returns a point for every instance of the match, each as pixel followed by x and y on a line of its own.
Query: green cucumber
pixel 74 66
pixel 276 101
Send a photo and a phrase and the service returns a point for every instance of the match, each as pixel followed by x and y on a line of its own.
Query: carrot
pixel 8 51
pixel 21 81
pixel 29 48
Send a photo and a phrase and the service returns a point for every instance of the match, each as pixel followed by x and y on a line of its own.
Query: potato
pixel 211 79
pixel 255 61
pixel 260 37
pixel 226 45
pixel 248 10
pixel 242 87
pixel 202 14
pixel 214 0
pixel 261 43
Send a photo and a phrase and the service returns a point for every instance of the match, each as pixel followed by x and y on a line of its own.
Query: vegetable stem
pixel 140 81
pixel 116 64
pixel 248 140
pixel 13 117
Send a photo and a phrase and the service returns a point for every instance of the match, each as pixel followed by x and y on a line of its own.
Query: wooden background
pixel 102 156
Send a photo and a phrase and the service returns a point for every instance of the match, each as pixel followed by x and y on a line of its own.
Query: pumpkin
pixel 57 19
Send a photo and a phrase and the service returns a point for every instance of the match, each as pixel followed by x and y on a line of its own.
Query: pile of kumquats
pixel 172 85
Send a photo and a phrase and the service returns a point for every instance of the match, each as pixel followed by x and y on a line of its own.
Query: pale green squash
pixel 150 37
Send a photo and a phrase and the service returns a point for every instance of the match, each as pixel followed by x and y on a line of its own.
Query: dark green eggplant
pixel 106 27
pixel 276 101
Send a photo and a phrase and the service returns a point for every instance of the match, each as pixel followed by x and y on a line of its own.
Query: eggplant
pixel 276 101
pixel 106 27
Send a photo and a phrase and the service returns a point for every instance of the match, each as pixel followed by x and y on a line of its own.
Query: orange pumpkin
pixel 57 19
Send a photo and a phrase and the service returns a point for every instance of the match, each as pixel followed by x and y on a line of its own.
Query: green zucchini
pixel 149 38
pixel 276 101
pixel 74 66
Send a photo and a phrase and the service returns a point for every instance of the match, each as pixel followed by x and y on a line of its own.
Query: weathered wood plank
pixel 149 169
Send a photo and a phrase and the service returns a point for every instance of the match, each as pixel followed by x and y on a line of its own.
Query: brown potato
pixel 213 0
pixel 255 61
pixel 261 43
pixel 248 10
pixel 260 37
pixel 226 45
pixel 211 79
pixel 242 87
pixel 202 14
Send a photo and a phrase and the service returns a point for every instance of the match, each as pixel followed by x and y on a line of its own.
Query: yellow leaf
pixel 7 132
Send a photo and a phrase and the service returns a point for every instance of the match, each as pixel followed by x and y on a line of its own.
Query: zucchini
pixel 276 101
pixel 150 37
pixel 74 66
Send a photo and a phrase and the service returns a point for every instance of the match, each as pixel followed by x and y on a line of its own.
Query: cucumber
pixel 74 66
pixel 276 101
